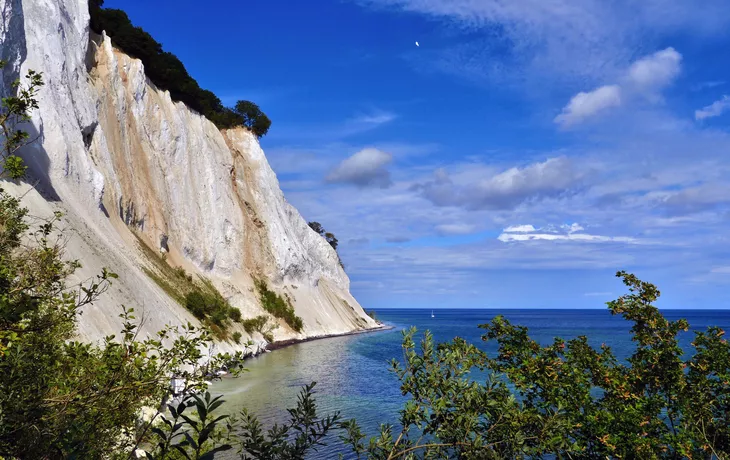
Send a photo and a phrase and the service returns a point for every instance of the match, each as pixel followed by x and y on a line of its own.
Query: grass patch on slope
pixel 198 296
pixel 278 306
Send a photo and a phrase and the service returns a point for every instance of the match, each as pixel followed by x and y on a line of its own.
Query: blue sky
pixel 517 158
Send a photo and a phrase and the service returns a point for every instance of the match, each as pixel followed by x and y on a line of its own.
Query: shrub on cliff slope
pixel 198 295
pixel 166 71
pixel 278 306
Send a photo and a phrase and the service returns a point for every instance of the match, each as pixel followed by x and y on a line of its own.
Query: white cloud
pixel 645 78
pixel 584 105
pixel 505 190
pixel 366 168
pixel 454 229
pixel 583 237
pixel 553 233
pixel 656 71
pixel 715 109
pixel 519 229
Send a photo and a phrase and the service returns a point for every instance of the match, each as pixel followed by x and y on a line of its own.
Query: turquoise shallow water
pixel 352 373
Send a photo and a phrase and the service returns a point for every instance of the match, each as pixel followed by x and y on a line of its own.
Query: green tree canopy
pixel 167 72
pixel 253 118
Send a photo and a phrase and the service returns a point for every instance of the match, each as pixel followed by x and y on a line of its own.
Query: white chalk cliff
pixel 127 164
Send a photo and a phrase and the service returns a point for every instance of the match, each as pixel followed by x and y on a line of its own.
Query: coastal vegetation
pixel 60 398
pixel 261 325
pixel 278 306
pixel 166 71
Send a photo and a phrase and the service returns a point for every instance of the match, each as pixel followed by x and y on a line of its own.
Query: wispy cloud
pixel 581 237
pixel 330 131
pixel 715 109
pixel 590 40
pixel 519 228
pixel 374 118
pixel 707 85
pixel 455 229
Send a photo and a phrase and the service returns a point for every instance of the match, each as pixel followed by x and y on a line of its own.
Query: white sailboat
pixel 432 314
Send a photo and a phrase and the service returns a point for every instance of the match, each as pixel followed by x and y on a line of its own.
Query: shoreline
pixel 289 342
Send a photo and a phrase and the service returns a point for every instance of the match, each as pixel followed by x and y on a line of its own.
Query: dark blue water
pixel 352 373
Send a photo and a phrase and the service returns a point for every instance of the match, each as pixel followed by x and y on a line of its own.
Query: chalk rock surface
pixel 140 177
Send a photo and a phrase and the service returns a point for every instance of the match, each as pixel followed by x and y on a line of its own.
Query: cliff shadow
pixel 14 51
pixel 39 164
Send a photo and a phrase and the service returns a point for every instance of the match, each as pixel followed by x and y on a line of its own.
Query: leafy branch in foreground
pixel 200 434
pixel 305 431
pixel 14 111
pixel 566 399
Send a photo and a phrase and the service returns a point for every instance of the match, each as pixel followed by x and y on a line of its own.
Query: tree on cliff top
pixel 167 72
pixel 253 118
pixel 329 237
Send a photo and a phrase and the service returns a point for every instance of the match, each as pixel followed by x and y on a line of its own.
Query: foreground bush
pixel 60 398
pixel 572 400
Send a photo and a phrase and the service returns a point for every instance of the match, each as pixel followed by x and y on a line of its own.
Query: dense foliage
pixel 60 398
pixel 200 433
pixel 166 71
pixel 572 401
pixel 278 306
pixel 253 118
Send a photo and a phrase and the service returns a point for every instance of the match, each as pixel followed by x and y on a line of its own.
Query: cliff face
pixel 129 167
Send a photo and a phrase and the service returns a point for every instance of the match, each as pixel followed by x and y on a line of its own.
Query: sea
pixel 352 373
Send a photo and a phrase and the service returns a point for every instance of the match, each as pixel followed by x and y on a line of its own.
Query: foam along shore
pixel 285 343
